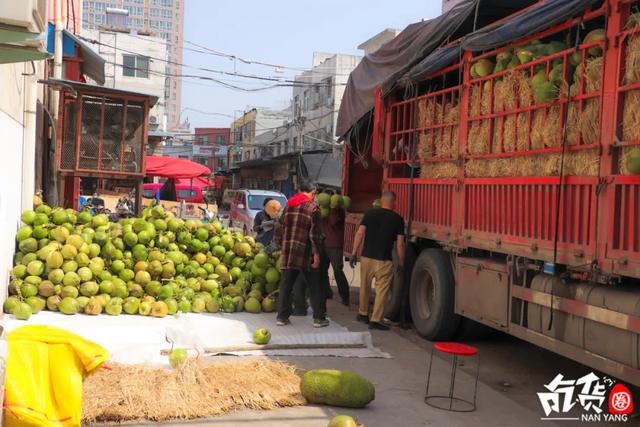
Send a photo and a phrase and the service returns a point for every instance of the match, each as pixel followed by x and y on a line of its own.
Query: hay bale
pixel 552 133
pixel 631 116
pixel 479 137
pixel 525 89
pixel 439 170
pixel 632 66
pixel 576 163
pixel 137 392
pixel 447 145
pixel 589 122
pixel 593 74
pixel 425 146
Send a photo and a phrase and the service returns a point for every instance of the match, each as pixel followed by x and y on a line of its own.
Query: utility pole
pixel 52 193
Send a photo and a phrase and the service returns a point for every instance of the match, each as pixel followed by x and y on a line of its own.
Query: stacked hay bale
pixel 541 127
pixel 441 142
pixel 480 130
pixel 631 109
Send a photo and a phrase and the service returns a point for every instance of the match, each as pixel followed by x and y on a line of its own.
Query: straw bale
pixel 632 66
pixel 576 163
pixel 439 170
pixel 525 89
pixel 593 75
pixel 425 147
pixel 537 129
pixel 589 123
pixel 522 132
pixel 631 116
pixel 137 392
pixel 479 136
pixel 552 133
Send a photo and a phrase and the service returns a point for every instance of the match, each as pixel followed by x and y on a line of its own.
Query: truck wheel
pixel 432 296
pixel 393 307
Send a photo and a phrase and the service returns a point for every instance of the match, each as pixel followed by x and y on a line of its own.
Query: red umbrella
pixel 173 167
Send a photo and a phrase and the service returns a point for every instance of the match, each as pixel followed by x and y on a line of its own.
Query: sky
pixel 282 32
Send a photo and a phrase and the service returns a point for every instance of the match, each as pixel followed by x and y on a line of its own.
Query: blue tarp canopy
pixel 539 17
pixel 530 21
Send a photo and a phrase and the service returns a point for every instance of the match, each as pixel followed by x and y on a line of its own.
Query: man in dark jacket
pixel 333 228
pixel 300 238
pixel 263 224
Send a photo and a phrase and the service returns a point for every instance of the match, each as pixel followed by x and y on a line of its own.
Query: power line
pixel 209 70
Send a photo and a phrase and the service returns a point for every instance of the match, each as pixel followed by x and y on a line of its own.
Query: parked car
pixel 246 204
pixel 186 192
pixel 150 189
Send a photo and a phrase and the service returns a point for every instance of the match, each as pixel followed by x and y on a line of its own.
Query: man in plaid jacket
pixel 300 239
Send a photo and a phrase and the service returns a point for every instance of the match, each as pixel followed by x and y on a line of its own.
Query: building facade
pixel 210 147
pixel 129 66
pixel 162 18
pixel 317 99
pixel 246 129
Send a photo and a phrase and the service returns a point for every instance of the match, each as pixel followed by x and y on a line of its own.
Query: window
pixel 295 142
pixel 219 139
pixel 88 4
pixel 101 6
pixel 305 101
pixel 256 202
pixel 100 19
pixel 135 66
pixel 204 139
pixel 153 12
pixel 167 13
pixel 296 105
pixel 187 194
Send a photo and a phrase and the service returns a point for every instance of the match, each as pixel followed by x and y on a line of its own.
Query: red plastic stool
pixel 457 350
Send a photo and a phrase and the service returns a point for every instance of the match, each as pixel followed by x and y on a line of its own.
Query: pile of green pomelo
pixel 326 202
pixel 73 262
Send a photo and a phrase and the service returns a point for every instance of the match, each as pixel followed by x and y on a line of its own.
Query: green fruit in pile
pixel 37 304
pixel 545 92
pixel 336 201
pixel 22 311
pixel 10 304
pixel 252 305
pixel 213 306
pixel 69 305
pixel 633 161
pixel 324 200
pixel 484 67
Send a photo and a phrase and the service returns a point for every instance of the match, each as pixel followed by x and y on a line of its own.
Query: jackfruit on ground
pixel 336 388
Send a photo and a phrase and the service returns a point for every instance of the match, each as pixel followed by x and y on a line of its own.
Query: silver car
pixel 246 204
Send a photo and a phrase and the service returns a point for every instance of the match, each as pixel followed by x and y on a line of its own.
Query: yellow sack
pixel 45 369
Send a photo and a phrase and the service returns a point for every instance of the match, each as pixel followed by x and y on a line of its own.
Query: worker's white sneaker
pixel 320 323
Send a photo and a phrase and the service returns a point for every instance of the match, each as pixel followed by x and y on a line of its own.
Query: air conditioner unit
pixel 30 15
pixel 153 120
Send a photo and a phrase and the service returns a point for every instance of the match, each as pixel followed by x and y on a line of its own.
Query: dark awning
pixel 384 66
pixel 535 19
pixel 438 60
pixel 92 63
pixel 324 168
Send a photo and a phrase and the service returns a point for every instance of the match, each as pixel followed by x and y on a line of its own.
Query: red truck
pixel 517 178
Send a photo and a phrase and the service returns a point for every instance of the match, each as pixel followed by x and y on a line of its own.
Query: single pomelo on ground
pixel 343 421
pixel 177 357
pixel 261 336
pixel 336 388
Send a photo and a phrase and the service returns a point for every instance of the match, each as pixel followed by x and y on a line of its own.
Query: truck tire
pixel 393 306
pixel 432 296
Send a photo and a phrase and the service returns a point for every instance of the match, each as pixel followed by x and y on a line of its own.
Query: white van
pixel 246 204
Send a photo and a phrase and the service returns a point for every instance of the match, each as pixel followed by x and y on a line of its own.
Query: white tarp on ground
pixel 139 339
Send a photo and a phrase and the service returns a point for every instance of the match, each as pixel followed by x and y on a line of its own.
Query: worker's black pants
pixel 333 257
pixel 292 288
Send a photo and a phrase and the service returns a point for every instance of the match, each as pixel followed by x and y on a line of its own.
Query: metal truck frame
pixel 553 260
